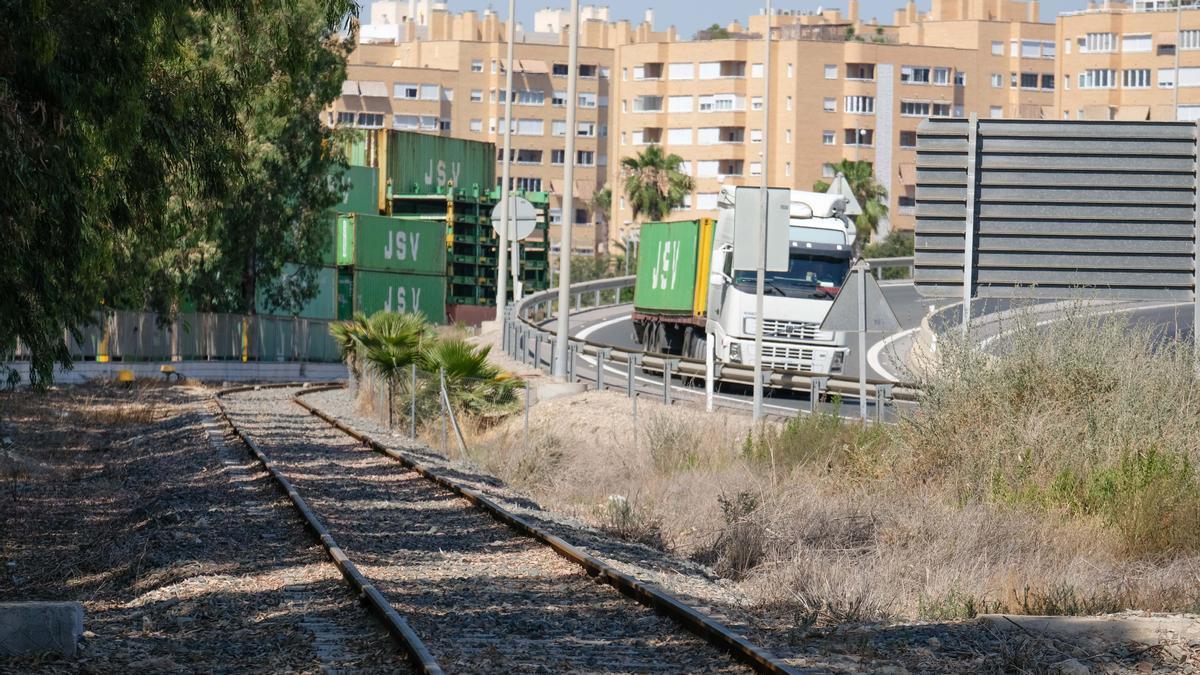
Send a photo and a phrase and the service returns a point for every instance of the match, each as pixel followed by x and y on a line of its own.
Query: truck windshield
pixel 807 276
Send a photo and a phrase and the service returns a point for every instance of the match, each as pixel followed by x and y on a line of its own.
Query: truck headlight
pixel 749 324
pixel 735 352
pixel 836 364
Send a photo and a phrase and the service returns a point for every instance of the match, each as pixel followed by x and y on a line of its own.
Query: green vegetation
pixel 151 150
pixel 388 344
pixel 871 196
pixel 713 32
pixel 654 184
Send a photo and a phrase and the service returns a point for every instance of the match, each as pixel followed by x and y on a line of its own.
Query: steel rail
pixel 417 652
pixel 707 628
pixel 538 307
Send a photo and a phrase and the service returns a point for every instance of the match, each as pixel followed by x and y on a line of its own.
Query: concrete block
pixel 40 627
pixel 545 391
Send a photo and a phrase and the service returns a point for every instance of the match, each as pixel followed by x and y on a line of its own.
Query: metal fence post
pixel 815 386
pixel 412 422
pixel 445 401
pixel 969 223
pixel 668 366
pixel 537 349
pixel 601 355
pixel 527 395
pixel 635 360
pixel 883 395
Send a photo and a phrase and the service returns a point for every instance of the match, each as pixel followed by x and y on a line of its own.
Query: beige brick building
pixel 832 98
pixel 842 88
pixel 1118 61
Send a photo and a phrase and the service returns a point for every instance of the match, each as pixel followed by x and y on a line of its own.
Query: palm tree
pixel 472 384
pixel 871 196
pixel 395 341
pixel 654 184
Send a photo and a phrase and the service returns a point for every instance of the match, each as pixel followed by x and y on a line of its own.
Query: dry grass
pixel 1055 477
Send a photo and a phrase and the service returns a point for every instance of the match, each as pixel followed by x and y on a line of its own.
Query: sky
pixel 691 15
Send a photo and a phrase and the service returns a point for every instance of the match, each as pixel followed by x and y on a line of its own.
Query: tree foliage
pixel 871 196
pixel 653 183
pixel 713 32
pixel 137 137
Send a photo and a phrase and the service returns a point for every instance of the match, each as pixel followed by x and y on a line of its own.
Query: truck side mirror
pixel 716 279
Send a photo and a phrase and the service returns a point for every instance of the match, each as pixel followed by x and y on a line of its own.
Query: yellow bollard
pixel 245 339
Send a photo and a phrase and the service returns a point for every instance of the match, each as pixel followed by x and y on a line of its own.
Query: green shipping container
pixel 404 293
pixel 666 267
pixel 392 244
pixel 322 306
pixel 422 164
pixel 345 294
pixel 363 194
pixel 329 254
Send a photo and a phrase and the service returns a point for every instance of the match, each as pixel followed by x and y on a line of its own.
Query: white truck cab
pixel 821 245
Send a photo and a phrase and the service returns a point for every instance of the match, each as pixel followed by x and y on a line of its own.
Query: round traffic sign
pixel 522 218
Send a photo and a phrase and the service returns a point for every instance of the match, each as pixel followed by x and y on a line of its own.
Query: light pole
pixel 568 202
pixel 1178 48
pixel 505 174
pixel 760 278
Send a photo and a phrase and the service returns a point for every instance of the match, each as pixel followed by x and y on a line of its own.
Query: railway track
pixel 459 581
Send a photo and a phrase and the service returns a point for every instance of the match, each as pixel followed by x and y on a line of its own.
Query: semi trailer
pixel 688 290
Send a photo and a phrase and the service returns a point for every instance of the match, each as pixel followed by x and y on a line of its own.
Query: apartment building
pixel 418 67
pixel 832 98
pixel 1129 62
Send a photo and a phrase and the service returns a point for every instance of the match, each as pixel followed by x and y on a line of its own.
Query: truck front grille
pixel 794 330
pixel 787 357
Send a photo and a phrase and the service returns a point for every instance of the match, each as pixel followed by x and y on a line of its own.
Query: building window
pixel 1165 50
pixel 370 120
pixel 941 76
pixel 589 101
pixel 755 168
pixel 1100 42
pixel 914 74
pixel 831 72
pixel 556 219
pixel 409 92
pixel 960 79
pixel 756 103
pixel 1189 39
pixel 1098 78
pixel 557 156
pixel 1029 80
pixel 996 112
pixel 1067 82
pixel 1166 78
pixel 345 118
pixel 681 71
pixel 681 136
pixel 588 71
pixel 827 170
pixel 940 110
pixel 828 138
pixel 587 129
pixel 908 139
pixel 559 99
pixel 790 70
pixel 603 73
pixel 789 103
pixel 585 158
pixel 860 71
pixel 476 96
pixel 997 80
pixel 558 128
pixel 646 103
pixel 756 135
pixel 756 70
pixel 1048 81
pixel 477 66
pixel 529 157
pixel 1012 80
pixel 860 105
pixel 787 136
pixel 1136 78
pixel 429 92
pixel 530 128
pixel 864 137
pixel 997 48
pixel 1136 43
pixel 477 126
pixel 830 105
pixel 559 70
pixel 914 108
pixel 787 169
pixel 581 216
pixel 528 184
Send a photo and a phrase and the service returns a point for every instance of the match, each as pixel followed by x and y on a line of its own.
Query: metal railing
pixel 525 337
pixel 880 266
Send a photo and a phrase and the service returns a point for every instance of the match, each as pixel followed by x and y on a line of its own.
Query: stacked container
pixel 395 264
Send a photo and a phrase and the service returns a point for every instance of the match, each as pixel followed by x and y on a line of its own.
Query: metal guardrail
pixel 523 337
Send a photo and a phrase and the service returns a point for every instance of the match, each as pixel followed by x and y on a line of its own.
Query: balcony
pixel 648 71
pixel 862 72
pixel 647 104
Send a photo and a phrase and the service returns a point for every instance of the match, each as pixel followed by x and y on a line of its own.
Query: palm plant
pixel 871 196
pixel 472 384
pixel 393 342
pixel 654 184
pixel 348 336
